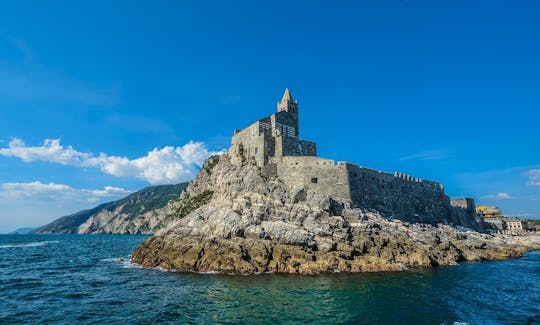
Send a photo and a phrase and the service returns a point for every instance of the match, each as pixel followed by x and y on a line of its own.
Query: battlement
pixel 361 186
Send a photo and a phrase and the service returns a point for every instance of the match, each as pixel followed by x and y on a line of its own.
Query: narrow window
pixel 314 180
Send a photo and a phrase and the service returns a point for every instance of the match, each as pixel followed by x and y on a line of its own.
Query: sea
pixel 88 279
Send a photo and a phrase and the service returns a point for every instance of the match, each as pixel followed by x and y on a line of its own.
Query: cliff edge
pixel 237 218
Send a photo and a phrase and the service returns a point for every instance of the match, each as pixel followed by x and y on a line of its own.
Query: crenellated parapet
pixel 362 187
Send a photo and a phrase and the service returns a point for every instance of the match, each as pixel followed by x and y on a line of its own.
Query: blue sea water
pixel 69 279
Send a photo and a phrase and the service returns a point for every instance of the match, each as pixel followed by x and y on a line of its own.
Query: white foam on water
pixel 124 262
pixel 31 244
pixel 403 267
pixel 114 259
pixel 209 272
pixel 159 268
pixel 128 265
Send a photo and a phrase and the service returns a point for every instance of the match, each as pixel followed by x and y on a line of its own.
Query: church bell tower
pixel 288 104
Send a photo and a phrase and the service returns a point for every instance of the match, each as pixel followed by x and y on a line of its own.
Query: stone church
pixel 274 136
pixel 273 143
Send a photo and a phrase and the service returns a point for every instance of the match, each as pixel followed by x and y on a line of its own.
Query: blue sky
pixel 101 98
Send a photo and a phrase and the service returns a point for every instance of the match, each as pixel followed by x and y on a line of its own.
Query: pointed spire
pixel 286 96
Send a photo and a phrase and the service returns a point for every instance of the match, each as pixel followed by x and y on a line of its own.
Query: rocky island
pixel 270 204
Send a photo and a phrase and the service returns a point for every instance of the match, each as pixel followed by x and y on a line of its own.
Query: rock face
pixel 142 212
pixel 235 218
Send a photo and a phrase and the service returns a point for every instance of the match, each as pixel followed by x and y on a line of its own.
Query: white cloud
pixel 428 155
pixel 534 177
pixel 35 204
pixel 498 197
pixel 160 166
pixel 51 151
pixel 57 192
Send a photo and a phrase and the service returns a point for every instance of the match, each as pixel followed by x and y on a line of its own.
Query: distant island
pixel 271 205
pixel 23 231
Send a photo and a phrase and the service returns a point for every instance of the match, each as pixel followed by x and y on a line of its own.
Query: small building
pixel 488 212
pixel 534 225
pixel 514 224
pixel 492 217
pixel 497 225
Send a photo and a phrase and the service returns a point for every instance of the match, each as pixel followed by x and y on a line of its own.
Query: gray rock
pixel 257 223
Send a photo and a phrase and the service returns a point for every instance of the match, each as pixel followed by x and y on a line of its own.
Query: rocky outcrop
pixel 238 219
pixel 142 212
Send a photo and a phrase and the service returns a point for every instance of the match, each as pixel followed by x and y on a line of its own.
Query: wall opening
pixel 314 180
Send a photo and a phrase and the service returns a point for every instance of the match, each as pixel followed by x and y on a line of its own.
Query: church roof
pixel 286 96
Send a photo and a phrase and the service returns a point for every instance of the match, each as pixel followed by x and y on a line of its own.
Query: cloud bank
pixel 57 192
pixel 498 197
pixel 160 166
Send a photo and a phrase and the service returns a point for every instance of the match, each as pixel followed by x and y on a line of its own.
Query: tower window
pixel 314 180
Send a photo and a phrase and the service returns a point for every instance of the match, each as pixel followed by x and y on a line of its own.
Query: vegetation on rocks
pixel 188 205
pixel 210 163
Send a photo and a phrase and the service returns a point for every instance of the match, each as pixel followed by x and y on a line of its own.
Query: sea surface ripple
pixel 68 279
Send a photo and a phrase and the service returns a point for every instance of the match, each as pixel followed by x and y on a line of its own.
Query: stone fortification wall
pixel 466 203
pixel 315 173
pixel 396 195
pixel 464 210
pixel 292 146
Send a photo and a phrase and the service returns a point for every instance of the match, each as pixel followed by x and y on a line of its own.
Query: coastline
pixel 245 257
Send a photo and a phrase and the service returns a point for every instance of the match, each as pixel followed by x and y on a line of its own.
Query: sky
pixel 102 98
